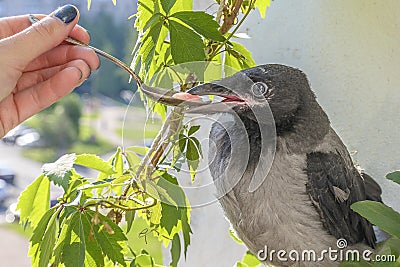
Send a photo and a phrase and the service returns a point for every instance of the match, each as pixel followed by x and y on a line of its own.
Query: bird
pixel 303 200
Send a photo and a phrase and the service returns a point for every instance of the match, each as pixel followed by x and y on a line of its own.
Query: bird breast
pixel 279 214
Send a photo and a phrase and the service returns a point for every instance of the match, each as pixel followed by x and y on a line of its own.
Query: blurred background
pixel 349 49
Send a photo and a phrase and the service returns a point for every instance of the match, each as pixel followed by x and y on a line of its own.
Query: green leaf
pixel 38 234
pixel 118 163
pixel 65 213
pixel 170 216
pixel 76 243
pixel 152 20
pixel 34 201
pixel 175 250
pixel 110 161
pixel 155 214
pixel 249 260
pixel 193 129
pixel 140 150
pixel 198 145
pixel 47 244
pixel 94 255
pixel 391 246
pixel 394 176
pixel 143 260
pixel 192 152
pixel 157 192
pixel 74 247
pixel 182 5
pixel 94 162
pixel 155 64
pixel 262 6
pixel 186 45
pixel 149 43
pixel 182 142
pixel 129 217
pixel 133 159
pixel 186 230
pixel 146 8
pixel 234 236
pixel 167 5
pixel 43 239
pixel 380 215
pixel 238 57
pixel 164 78
pixel 161 110
pixel 171 185
pixel 117 182
pixel 65 233
pixel 203 23
pixel 192 155
pixel 177 155
pixel 59 172
pixel 110 238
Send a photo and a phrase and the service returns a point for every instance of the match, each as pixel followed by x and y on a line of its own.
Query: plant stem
pixel 176 118
pixel 229 19
pixel 215 52
pixel 160 143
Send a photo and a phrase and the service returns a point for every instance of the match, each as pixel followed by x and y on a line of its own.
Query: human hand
pixel 37 68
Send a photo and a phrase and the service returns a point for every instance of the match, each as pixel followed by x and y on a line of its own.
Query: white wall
pixel 350 51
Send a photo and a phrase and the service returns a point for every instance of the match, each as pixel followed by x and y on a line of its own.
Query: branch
pixel 229 19
pixel 169 128
pixel 216 51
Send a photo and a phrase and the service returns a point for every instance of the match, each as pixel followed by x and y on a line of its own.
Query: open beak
pixel 230 99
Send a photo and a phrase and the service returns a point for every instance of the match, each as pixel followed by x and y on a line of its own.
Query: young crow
pixel 303 201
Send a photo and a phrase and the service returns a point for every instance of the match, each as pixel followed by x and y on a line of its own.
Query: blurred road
pixel 26 170
pixel 14 247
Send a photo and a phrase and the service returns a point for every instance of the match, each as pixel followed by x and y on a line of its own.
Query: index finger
pixel 12 25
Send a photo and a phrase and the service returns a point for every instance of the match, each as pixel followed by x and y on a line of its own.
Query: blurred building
pixel 120 12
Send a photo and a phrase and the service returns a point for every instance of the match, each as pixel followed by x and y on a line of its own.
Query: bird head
pixel 281 90
pixel 274 87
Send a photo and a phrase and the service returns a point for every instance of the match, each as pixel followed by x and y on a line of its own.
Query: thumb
pixel 43 35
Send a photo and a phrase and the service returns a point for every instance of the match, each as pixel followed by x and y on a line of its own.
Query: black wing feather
pixel 333 186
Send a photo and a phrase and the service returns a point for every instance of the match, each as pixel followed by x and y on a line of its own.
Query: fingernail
pixel 66 13
pixel 80 78
pixel 98 67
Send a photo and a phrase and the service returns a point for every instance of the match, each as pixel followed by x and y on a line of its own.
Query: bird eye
pixel 259 88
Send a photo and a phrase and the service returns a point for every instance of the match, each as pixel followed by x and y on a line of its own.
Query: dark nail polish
pixel 99 65
pixel 66 13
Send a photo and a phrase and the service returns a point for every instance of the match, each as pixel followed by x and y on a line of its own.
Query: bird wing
pixel 372 189
pixel 333 185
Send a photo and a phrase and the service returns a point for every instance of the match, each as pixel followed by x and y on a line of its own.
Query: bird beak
pixel 226 105
pixel 166 97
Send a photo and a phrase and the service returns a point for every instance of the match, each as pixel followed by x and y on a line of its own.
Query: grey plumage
pixel 304 201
